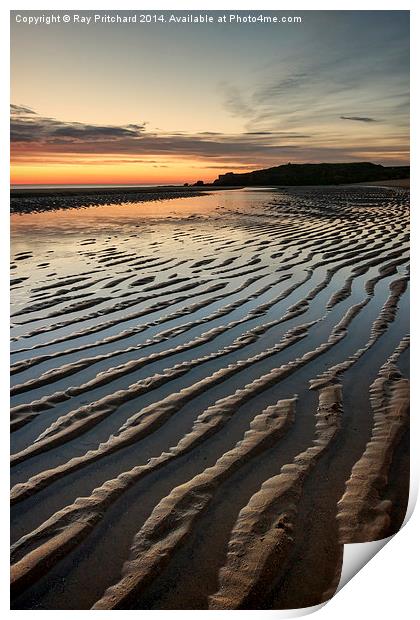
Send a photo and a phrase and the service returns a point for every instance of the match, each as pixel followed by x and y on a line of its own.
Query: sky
pixel 174 103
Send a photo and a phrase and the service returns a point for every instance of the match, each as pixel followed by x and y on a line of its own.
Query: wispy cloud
pixel 27 126
pixel 37 139
pixel 32 135
pixel 360 119
pixel 235 102
pixel 309 92
pixel 18 110
pixel 280 87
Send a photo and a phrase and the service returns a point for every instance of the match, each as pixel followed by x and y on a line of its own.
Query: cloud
pixel 250 104
pixel 307 93
pixel 360 119
pixel 229 167
pixel 235 102
pixel 280 87
pixel 36 139
pixel 27 126
pixel 20 110
pixel 95 132
pixel 35 135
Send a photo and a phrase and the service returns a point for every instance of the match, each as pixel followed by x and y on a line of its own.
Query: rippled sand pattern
pixel 209 397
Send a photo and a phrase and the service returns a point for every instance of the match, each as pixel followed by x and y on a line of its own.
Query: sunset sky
pixel 173 103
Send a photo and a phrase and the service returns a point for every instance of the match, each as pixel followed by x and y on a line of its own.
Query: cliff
pixel 315 174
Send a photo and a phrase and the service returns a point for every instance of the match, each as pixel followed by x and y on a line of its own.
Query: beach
pixel 209 392
pixel 29 200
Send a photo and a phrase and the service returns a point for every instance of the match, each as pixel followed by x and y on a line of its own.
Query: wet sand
pixel 391 183
pixel 209 396
pixel 26 200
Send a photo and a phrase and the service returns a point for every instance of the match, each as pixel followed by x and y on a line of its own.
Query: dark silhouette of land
pixel 315 174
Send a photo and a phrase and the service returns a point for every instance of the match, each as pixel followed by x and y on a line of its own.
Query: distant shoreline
pixel 31 200
pixel 114 189
pixel 166 189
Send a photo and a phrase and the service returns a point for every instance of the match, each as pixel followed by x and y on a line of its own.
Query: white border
pixel 387 586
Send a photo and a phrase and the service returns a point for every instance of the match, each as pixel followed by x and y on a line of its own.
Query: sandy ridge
pixel 66 528
pixel 262 537
pixel 363 513
pixel 175 515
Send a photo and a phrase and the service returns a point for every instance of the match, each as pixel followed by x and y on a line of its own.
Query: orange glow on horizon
pixel 91 172
pixel 74 174
pixel 34 164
